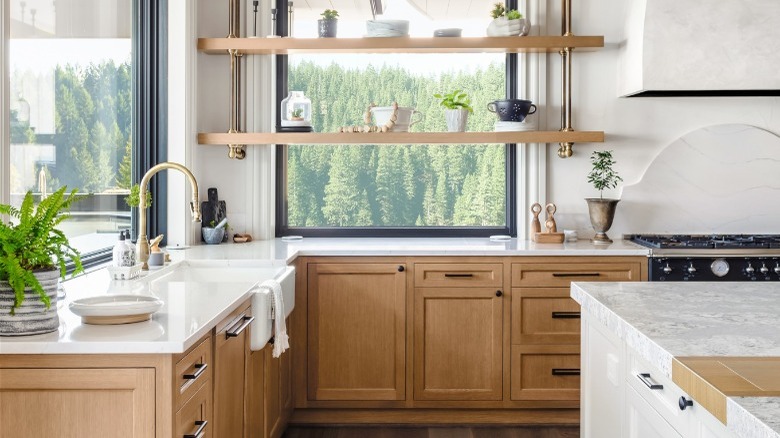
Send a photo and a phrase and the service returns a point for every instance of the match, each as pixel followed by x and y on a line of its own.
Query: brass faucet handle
pixel 195 212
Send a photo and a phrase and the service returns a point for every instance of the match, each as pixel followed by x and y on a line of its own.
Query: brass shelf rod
pixel 237 151
pixel 564 149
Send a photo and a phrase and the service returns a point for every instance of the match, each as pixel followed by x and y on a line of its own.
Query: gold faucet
pixel 142 249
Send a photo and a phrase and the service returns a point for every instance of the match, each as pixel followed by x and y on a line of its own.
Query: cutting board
pixel 213 210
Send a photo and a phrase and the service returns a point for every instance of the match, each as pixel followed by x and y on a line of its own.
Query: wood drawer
pixel 545 373
pixel 544 316
pixel 458 275
pixel 195 417
pixel 192 371
pixel 562 274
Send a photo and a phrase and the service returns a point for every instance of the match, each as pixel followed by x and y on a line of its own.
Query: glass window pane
pixel 71 110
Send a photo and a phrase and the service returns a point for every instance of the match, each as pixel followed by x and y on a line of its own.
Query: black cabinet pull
pixel 576 274
pixel 684 403
pixel 401 268
pixel 200 368
pixel 499 293
pixel 565 371
pixel 449 275
pixel 245 321
pixel 566 315
pixel 199 431
pixel 647 380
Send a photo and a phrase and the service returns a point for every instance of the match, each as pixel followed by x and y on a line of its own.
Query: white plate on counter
pixel 115 309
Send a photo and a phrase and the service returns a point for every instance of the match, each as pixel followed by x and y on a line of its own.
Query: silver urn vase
pixel 602 212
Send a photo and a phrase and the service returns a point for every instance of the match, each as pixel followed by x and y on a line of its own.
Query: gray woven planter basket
pixel 32 318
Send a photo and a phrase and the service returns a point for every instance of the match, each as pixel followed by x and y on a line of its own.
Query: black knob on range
pixel 401 268
pixel 499 293
pixel 684 403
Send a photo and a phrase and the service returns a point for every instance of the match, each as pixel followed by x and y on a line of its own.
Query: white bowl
pixel 404 118
pixel 374 27
pixel 116 305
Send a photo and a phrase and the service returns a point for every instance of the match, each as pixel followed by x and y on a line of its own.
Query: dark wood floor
pixel 432 432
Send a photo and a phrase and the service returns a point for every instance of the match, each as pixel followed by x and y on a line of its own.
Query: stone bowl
pixel 212 236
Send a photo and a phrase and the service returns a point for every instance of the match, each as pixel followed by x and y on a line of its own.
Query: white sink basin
pixel 251 274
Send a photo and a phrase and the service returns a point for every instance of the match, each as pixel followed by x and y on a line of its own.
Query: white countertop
pixel 661 320
pixel 190 310
pixel 287 251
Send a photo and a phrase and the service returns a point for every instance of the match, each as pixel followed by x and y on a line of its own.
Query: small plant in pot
pixel 602 210
pixel 457 109
pixel 328 24
pixel 33 255
pixel 507 22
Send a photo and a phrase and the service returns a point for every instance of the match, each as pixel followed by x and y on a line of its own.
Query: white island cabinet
pixel 641 343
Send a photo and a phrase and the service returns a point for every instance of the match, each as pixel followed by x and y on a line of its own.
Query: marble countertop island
pixel 664 320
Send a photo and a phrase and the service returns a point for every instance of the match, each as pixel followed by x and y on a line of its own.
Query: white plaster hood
pixel 700 48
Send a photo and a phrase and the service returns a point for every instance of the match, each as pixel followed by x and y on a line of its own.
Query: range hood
pixel 700 48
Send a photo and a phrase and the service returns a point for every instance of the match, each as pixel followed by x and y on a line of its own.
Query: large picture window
pixel 395 190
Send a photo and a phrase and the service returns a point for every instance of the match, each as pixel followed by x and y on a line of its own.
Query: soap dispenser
pixel 131 246
pixel 120 250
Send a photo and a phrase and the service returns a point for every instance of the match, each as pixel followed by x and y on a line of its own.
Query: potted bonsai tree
pixel 457 109
pixel 507 22
pixel 602 210
pixel 33 254
pixel 328 25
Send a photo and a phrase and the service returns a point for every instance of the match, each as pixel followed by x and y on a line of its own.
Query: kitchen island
pixel 651 349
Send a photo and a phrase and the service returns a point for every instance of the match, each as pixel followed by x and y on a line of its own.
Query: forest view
pixel 395 185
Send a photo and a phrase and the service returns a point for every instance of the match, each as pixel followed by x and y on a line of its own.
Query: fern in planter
pixel 34 243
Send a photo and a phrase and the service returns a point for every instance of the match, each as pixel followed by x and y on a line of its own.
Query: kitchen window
pixel 395 190
pixel 71 75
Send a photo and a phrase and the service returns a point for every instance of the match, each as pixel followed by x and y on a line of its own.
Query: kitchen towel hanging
pixel 281 340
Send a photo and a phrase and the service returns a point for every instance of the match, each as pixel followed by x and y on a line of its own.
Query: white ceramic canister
pixel 404 119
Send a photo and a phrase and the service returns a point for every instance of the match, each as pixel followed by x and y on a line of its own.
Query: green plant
pixel 134 198
pixel 35 244
pixel 297 113
pixel 602 176
pixel 455 100
pixel 500 11
pixel 330 14
pixel 213 224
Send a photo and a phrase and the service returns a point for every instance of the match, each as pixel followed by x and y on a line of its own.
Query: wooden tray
pixel 549 237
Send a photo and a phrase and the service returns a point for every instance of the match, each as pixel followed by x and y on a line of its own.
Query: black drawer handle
pixel 576 274
pixel 201 429
pixel 401 268
pixel 647 380
pixel 565 371
pixel 448 275
pixel 566 315
pixel 200 368
pixel 241 327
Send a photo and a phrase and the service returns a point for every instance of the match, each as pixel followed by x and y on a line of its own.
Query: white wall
pixel 637 129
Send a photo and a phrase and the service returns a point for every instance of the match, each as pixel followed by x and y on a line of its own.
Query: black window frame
pixel 282 228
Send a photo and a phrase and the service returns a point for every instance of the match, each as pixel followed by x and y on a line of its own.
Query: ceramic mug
pixel 511 110
pixel 404 119
pixel 156 259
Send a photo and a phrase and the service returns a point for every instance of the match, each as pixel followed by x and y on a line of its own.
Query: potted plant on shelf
pixel 507 22
pixel 602 210
pixel 457 109
pixel 297 114
pixel 328 24
pixel 33 255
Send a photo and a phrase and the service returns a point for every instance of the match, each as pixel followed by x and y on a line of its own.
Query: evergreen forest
pixel 395 185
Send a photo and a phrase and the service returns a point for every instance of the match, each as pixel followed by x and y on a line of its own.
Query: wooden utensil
pixel 536 227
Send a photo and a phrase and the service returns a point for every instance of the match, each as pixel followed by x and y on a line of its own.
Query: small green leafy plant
pixel 134 198
pixel 455 100
pixel 330 14
pixel 297 113
pixel 35 244
pixel 500 11
pixel 602 176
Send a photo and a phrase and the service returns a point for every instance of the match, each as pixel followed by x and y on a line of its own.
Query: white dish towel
pixel 281 340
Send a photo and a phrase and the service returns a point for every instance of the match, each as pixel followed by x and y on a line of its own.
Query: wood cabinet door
pixel 356 338
pixel 85 402
pixel 231 355
pixel 457 344
pixel 194 419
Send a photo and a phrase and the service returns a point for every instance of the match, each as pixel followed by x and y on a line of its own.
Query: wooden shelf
pixel 403 138
pixel 284 46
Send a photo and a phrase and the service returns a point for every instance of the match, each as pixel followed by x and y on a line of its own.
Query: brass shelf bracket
pixel 236 151
pixel 564 149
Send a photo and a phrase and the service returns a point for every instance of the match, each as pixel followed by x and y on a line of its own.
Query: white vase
pixel 456 119
pixel 502 26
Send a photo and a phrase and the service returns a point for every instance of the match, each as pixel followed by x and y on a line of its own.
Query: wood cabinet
pixel 231 354
pixel 356 333
pixel 79 402
pixel 458 343
pixel 195 418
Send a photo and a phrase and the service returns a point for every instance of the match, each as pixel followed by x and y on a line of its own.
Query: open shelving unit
pixel 237 47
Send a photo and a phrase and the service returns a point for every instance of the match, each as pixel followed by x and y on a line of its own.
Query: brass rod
pixel 234 17
pixel 234 30
pixel 568 89
pixel 566 22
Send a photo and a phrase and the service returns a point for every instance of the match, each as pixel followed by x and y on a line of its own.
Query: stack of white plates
pixel 387 28
pixel 525 125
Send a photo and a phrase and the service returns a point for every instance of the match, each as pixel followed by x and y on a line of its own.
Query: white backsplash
pixel 719 179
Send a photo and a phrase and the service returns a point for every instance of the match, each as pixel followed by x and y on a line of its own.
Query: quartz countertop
pixel 191 308
pixel 662 320
pixel 288 251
